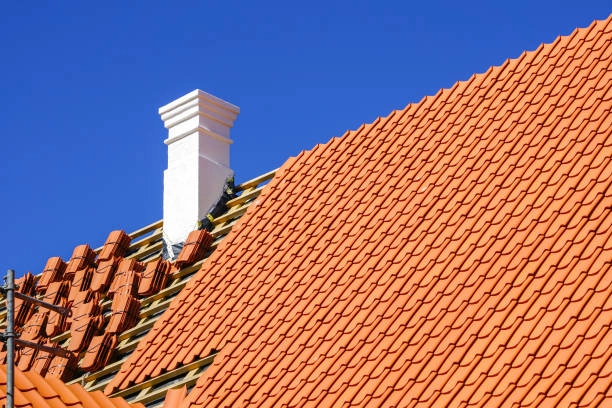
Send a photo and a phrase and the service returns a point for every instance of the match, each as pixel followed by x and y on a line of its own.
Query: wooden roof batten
pixel 155 388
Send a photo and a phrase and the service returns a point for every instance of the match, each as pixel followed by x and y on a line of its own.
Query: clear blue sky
pixel 82 142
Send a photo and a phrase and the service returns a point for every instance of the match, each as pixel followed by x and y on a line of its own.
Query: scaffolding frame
pixel 9 335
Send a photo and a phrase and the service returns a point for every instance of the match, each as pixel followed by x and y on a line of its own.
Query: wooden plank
pixel 166 376
pixel 61 337
pixel 256 181
pixel 233 213
pixel 174 287
pixel 143 393
pixel 244 197
pixel 170 290
pixel 142 231
pixel 190 269
pixel 101 384
pixel 222 230
pixel 130 345
pixel 110 368
pixel 155 308
pixel 155 236
pixel 136 330
pixel 145 251
pixel 160 393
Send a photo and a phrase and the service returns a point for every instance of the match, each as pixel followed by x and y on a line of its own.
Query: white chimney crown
pixel 198 159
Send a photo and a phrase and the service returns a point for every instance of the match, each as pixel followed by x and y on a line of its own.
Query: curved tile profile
pixel 456 252
pixel 33 390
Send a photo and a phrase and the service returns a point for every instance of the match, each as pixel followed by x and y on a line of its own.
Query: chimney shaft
pixel 198 159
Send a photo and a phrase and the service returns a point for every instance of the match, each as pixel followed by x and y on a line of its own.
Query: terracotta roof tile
pixel 154 277
pixel 116 245
pixel 32 390
pixel 103 275
pixel 99 351
pixel 175 397
pixel 194 247
pixel 456 252
pixel 54 269
pixel 82 257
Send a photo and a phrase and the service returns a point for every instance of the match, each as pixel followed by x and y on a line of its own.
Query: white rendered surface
pixel 198 159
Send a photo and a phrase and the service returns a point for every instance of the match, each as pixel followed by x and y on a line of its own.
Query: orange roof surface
pixel 455 253
pixel 32 390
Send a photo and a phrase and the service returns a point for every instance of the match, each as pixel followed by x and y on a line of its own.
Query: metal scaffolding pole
pixel 58 309
pixel 9 334
pixel 10 338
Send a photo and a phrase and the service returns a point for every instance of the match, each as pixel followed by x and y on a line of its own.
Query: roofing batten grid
pixel 148 248
pixel 453 253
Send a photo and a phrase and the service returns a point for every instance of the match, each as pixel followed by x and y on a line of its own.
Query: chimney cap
pixel 198 102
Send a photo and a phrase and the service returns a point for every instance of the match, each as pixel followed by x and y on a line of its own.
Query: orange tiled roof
pixel 32 390
pixel 457 252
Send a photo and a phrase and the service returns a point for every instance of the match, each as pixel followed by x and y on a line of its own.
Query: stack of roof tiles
pixel 154 277
pixel 56 294
pixel 455 253
pixel 23 310
pixel 99 351
pixel 82 285
pixel 195 247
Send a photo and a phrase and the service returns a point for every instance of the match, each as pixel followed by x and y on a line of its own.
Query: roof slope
pixel 32 390
pixel 454 253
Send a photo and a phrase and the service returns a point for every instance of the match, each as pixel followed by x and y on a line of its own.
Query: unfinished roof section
pixel 116 293
pixel 453 253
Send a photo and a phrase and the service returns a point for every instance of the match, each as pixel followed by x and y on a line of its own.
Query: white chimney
pixel 198 159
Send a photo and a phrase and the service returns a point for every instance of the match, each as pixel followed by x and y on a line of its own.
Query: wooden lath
pixel 257 181
pixel 156 388
pixel 239 205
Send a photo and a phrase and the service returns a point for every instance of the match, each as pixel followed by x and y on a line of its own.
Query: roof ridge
pixel 605 22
